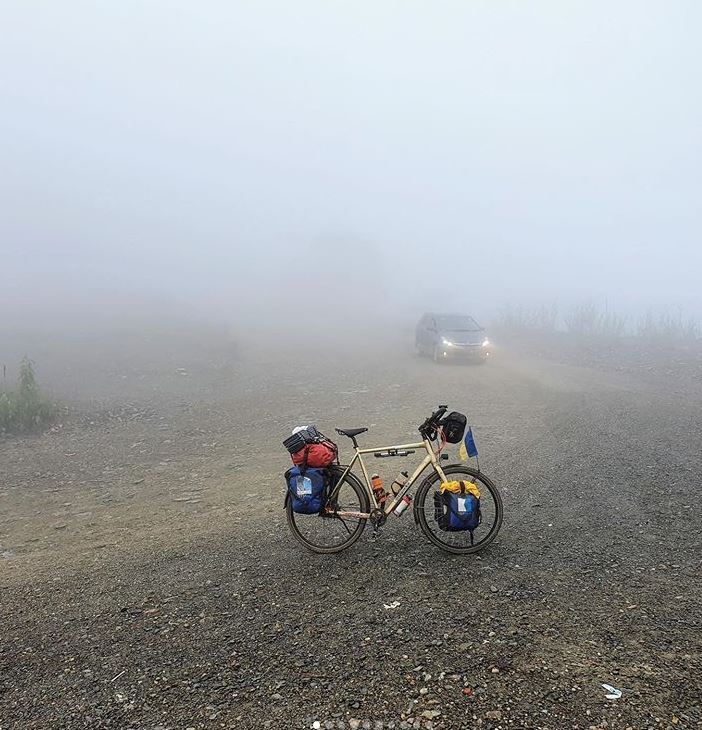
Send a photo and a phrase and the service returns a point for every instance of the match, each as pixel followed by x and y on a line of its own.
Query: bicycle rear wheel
pixel 328 532
pixel 460 543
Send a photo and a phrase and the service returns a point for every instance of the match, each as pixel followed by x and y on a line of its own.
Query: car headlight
pixel 486 342
pixel 446 342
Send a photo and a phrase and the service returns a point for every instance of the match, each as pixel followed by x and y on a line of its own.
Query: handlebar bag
pixel 457 507
pixel 454 426
pixel 307 489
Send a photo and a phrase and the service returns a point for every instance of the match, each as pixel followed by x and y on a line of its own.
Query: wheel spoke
pixel 344 524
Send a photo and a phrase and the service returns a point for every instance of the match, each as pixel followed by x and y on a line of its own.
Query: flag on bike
pixel 468 447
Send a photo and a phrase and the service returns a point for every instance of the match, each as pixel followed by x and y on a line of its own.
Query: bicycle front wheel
pixel 337 527
pixel 465 542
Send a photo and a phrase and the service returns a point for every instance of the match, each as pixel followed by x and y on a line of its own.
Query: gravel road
pixel 147 578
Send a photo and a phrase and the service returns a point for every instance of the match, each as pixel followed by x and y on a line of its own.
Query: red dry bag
pixel 316 456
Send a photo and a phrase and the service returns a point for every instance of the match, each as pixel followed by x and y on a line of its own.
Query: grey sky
pixel 516 151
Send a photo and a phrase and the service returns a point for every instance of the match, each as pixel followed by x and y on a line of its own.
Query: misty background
pixel 217 160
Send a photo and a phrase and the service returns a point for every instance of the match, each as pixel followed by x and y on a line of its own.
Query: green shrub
pixel 25 409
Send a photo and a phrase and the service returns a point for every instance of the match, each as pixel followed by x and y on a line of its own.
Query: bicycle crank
pixel 377 518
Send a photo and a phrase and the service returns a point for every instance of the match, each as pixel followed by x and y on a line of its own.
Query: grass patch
pixel 668 328
pixel 521 319
pixel 588 322
pixel 25 409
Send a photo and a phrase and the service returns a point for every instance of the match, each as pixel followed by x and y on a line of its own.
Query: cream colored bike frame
pixel 429 459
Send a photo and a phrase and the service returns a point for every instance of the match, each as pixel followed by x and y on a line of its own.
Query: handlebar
pixel 428 428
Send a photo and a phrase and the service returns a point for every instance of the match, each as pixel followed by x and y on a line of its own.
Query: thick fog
pixel 224 158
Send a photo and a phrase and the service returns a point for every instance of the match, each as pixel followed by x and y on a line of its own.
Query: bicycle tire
pixel 420 513
pixel 364 506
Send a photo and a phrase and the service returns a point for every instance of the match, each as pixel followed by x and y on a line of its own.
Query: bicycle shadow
pixel 397 555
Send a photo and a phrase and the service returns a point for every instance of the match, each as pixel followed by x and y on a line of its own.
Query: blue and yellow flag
pixel 467 447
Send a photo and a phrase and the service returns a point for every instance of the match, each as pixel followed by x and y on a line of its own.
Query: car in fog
pixel 451 336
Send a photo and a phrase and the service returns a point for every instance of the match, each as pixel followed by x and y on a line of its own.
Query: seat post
pixel 353 439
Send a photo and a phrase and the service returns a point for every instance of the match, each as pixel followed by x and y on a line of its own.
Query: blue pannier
pixel 457 512
pixel 307 489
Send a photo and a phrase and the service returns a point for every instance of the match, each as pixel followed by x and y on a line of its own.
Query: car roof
pixel 439 315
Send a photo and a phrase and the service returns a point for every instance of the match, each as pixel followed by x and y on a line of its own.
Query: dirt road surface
pixel 147 578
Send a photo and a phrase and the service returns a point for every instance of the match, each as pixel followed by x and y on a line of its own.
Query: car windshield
pixel 457 322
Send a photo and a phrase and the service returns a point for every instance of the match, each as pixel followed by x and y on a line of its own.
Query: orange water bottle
pixel 377 484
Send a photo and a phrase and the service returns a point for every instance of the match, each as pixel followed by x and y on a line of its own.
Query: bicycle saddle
pixel 351 432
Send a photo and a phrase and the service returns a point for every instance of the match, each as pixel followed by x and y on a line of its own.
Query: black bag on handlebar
pixel 453 426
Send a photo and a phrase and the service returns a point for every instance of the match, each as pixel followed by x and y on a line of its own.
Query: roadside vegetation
pixel 589 321
pixel 25 409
